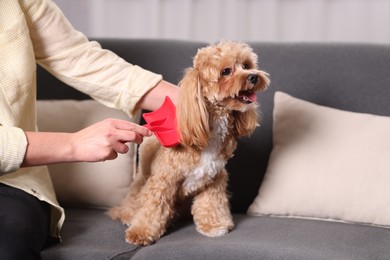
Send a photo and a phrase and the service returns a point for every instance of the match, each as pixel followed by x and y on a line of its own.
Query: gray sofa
pixel 354 77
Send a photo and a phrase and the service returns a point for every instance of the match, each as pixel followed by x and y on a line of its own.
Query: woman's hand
pixel 104 140
pixel 98 142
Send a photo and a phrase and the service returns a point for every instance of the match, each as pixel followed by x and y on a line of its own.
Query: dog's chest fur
pixel 210 162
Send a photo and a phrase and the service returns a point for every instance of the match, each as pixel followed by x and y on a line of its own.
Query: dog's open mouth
pixel 246 96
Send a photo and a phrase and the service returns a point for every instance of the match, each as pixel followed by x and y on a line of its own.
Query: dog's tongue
pixel 249 96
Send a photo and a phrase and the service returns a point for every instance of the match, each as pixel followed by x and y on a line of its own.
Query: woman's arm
pixel 98 142
pixel 68 55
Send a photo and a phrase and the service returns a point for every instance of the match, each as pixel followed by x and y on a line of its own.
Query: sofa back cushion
pixel 326 164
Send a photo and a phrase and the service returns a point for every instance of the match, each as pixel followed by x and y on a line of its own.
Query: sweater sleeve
pixel 12 149
pixel 69 56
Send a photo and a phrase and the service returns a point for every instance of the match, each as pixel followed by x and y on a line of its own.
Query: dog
pixel 216 105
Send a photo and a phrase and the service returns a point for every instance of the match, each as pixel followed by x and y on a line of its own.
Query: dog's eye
pixel 226 72
pixel 246 66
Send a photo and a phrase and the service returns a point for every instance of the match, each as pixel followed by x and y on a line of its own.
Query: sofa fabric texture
pixel 351 77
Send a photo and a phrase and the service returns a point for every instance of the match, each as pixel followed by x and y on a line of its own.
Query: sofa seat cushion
pixel 90 234
pixel 274 238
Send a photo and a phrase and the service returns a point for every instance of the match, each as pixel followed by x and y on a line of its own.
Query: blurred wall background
pixel 246 20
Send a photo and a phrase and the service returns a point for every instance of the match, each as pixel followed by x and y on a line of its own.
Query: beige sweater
pixel 36 31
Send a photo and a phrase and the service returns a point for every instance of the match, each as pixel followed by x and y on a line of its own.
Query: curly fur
pixel 216 106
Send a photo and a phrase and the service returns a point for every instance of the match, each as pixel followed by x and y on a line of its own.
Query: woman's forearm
pixel 47 148
pixel 155 97
pixel 98 142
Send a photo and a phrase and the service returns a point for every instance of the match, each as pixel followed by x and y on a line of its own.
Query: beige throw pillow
pixel 326 164
pixel 101 184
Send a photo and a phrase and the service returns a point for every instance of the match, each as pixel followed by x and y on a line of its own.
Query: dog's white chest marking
pixel 210 163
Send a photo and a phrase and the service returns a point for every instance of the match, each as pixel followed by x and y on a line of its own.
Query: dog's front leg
pixel 211 208
pixel 157 201
pixel 126 210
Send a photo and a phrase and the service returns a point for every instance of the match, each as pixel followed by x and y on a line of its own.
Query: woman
pixel 36 31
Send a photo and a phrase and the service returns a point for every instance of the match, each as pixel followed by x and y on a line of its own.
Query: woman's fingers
pixel 105 139
pixel 131 127
pixel 128 132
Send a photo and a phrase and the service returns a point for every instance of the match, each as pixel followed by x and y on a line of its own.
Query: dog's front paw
pixel 214 230
pixel 139 236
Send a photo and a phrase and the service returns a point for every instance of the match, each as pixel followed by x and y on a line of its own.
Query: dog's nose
pixel 253 78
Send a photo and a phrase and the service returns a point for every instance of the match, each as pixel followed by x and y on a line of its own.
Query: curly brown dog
pixel 217 104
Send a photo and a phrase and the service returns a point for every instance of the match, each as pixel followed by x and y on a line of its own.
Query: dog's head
pixel 224 79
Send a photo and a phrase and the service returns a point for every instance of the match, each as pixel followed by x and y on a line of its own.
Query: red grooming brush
pixel 163 123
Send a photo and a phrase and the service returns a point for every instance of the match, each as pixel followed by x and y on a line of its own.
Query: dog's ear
pixel 246 122
pixel 192 115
